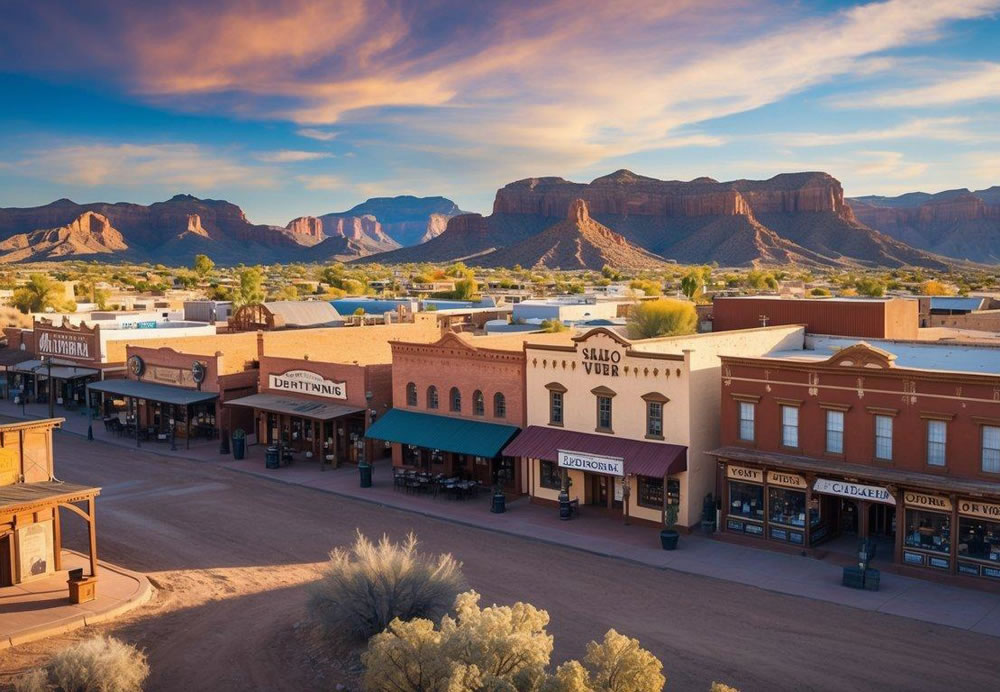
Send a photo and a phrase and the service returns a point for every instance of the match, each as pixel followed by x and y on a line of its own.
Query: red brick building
pixel 865 318
pixel 839 440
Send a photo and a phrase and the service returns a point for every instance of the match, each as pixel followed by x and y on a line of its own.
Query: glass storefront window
pixel 979 539
pixel 549 475
pixel 928 530
pixel 650 492
pixel 746 500
pixel 788 507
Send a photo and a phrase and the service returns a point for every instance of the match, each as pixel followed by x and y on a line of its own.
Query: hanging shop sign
pixel 788 480
pixel 307 382
pixel 198 372
pixel 938 502
pixel 595 463
pixel 66 344
pixel 743 473
pixel 854 490
pixel 136 365
pixel 974 508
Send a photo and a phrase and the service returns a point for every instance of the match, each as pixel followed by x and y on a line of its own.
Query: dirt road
pixel 231 555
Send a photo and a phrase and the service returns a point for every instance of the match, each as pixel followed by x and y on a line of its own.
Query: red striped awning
pixel 642 458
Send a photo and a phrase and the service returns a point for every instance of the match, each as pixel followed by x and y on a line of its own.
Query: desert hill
pixel 793 217
pixel 88 234
pixel 405 219
pixel 962 223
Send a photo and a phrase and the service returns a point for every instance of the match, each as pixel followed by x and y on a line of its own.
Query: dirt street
pixel 231 555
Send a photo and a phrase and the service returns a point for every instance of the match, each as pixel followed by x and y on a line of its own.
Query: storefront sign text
pixel 601 361
pixel 789 480
pixel 306 382
pixel 742 473
pixel 595 463
pixel 177 377
pixel 855 490
pixel 927 501
pixel 64 344
pixel 979 509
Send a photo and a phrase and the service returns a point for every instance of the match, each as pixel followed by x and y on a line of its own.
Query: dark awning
pixel 458 435
pixel 61 370
pixel 306 408
pixel 151 391
pixel 655 459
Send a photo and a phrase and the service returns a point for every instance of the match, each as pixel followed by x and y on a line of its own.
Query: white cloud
pixel 291 156
pixel 173 165
pixel 316 133
pixel 966 84
pixel 945 129
pixel 320 182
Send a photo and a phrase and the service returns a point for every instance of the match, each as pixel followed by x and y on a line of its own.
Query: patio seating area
pixel 435 485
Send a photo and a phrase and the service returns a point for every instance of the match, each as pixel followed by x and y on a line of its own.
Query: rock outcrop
pixel 88 234
pixel 307 226
pixel 406 219
pixel 963 224
pixel 793 217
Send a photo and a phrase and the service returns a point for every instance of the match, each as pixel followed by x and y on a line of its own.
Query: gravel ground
pixel 232 555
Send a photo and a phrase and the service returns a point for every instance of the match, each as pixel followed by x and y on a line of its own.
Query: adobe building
pixel 629 424
pixel 829 440
pixel 30 500
pixel 865 318
pixel 457 402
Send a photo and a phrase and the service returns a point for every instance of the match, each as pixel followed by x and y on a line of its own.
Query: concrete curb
pixel 141 596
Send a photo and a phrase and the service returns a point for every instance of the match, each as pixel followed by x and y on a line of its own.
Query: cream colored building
pixel 627 420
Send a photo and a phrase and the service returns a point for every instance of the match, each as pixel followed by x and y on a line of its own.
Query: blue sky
pixel 306 106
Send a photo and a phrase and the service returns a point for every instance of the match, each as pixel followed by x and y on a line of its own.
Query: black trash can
pixel 499 503
pixel 271 459
pixel 366 475
pixel 565 510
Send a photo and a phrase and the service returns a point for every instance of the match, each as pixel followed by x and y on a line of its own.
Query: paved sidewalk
pixel 593 532
pixel 41 608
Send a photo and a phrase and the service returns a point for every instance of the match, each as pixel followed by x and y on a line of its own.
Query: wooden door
pixel 6 560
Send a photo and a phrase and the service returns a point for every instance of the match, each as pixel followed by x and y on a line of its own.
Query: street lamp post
pixel 48 365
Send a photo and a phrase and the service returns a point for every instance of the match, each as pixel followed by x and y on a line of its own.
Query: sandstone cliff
pixel 406 219
pixel 960 223
pixel 88 234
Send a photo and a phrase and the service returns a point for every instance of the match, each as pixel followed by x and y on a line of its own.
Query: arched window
pixel 499 406
pixel 478 404
pixel 411 394
pixel 432 397
pixel 456 400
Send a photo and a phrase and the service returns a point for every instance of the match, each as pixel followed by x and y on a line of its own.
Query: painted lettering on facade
pixel 854 490
pixel 974 508
pixel 64 344
pixel 307 382
pixel 927 501
pixel 601 361
pixel 743 473
pixel 595 463
pixel 788 480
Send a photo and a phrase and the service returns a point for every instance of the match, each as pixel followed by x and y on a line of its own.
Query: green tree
pixel 873 288
pixel 249 289
pixel 694 281
pixel 662 317
pixel 203 265
pixel 39 294
pixel 287 292
pixel 465 288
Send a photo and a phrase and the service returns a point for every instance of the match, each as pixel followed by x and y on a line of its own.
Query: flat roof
pixel 981 359
pixel 23 495
pixel 150 391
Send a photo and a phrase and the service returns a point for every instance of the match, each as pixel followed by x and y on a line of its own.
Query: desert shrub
pixel 365 587
pixel 95 665
pixel 662 317
pixel 722 687
pixel 499 648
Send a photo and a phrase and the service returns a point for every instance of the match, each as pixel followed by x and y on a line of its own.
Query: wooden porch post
pixel 900 525
pixel 954 533
pixel 92 530
pixel 807 531
pixel 57 538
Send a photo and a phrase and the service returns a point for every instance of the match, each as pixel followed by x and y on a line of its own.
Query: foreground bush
pixel 96 665
pixel 500 648
pixel 364 588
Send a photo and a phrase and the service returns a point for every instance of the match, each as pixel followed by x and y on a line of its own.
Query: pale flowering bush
pixel 101 664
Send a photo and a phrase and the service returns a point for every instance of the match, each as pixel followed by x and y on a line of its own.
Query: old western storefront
pixel 66 359
pixel 824 453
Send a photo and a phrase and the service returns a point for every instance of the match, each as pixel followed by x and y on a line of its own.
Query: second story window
pixel 937 440
pixel 411 394
pixel 747 416
pixel 604 412
pixel 455 397
pixel 478 404
pixel 835 432
pixel 557 394
pixel 991 449
pixel 432 397
pixel 789 426
pixel 499 405
pixel 883 438
pixel 654 419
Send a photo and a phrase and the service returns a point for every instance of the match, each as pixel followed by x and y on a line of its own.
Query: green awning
pixel 459 435
pixel 151 391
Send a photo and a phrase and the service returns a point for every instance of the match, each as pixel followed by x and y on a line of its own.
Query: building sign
pixel 788 480
pixel 974 508
pixel 595 463
pixel 307 382
pixel 66 345
pixel 853 490
pixel 175 377
pixel 34 550
pixel 601 361
pixel 927 501
pixel 742 473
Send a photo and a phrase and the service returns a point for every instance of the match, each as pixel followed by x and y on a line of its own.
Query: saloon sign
pixel 307 382
pixel 854 490
pixel 595 463
pixel 66 345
